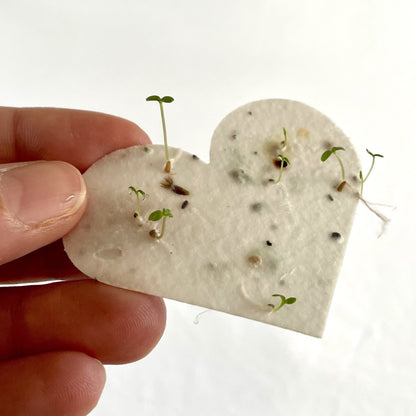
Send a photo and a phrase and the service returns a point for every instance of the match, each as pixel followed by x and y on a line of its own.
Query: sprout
pixel 371 168
pixel 284 301
pixel 333 151
pixel 156 216
pixel 138 192
pixel 282 162
pixel 165 99
pixel 285 140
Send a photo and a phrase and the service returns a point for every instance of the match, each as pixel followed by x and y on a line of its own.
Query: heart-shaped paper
pixel 241 237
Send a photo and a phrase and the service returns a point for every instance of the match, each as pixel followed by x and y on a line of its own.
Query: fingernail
pixel 40 191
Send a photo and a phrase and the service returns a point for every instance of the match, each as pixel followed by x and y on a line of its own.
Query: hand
pixel 55 337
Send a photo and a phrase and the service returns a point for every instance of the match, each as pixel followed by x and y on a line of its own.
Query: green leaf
pixel 153 98
pixel 156 215
pixel 167 99
pixel 283 159
pixel 133 189
pixel 361 175
pixel 142 193
pixel 289 301
pixel 166 213
pixel 325 155
pixel 374 155
pixel 281 297
pixel 334 149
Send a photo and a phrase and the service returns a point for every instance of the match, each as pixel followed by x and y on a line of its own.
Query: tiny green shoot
pixel 333 151
pixel 165 99
pixel 156 216
pixel 285 140
pixel 284 161
pixel 362 179
pixel 284 301
pixel 138 193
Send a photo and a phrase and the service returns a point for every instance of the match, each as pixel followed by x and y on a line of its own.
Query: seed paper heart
pixel 242 241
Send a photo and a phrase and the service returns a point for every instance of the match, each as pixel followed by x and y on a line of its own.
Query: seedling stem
pixel 342 166
pixel 156 216
pixel 165 99
pixel 373 155
pixel 138 192
pixel 284 141
pixel 333 151
pixel 283 160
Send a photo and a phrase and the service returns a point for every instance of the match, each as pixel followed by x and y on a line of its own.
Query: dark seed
pixel 336 236
pixel 249 113
pixel 184 204
pixel 167 183
pixel 195 157
pixel 330 197
pixel 135 215
pixel 278 162
pixel 255 153
pixel 256 207
pixel 269 243
pixel 179 190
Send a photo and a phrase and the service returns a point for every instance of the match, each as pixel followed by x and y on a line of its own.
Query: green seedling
pixel 159 215
pixel 284 301
pixel 165 99
pixel 138 193
pixel 333 151
pixel 362 179
pixel 285 140
pixel 282 162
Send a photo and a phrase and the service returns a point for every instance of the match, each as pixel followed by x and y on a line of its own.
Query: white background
pixel 353 60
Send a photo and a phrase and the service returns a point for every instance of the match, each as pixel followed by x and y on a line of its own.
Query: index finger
pixel 74 136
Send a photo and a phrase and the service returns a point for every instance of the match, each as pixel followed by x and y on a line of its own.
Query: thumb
pixel 39 203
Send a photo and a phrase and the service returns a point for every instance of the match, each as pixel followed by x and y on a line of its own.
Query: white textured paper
pixel 241 237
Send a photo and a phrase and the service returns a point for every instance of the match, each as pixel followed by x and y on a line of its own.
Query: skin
pixel 56 337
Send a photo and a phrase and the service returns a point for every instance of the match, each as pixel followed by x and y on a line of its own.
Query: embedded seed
pixel 335 235
pixel 257 207
pixel 179 190
pixel 278 163
pixel 303 132
pixel 167 183
pixel 153 234
pixel 341 186
pixel 254 261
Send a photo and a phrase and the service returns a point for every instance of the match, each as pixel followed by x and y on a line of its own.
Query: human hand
pixel 55 337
